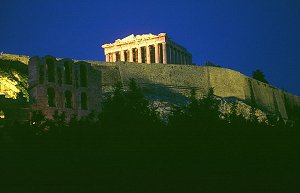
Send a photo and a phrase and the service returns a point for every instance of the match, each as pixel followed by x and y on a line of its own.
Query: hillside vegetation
pixel 14 76
pixel 127 148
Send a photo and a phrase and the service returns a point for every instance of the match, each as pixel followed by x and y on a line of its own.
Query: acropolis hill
pixel 171 83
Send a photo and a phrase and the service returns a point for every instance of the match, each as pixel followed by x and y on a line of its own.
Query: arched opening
pixel 68 73
pixel 50 69
pixel 68 99
pixel 41 74
pixel 83 101
pixel 76 79
pixel 83 75
pixel 51 97
pixel 59 76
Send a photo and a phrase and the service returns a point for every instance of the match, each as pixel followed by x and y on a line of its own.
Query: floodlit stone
pixel 147 48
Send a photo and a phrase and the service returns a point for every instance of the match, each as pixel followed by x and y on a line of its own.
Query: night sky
pixel 240 35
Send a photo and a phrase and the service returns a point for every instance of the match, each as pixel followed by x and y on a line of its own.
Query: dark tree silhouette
pixel 259 75
pixel 122 146
pixel 128 110
pixel 199 113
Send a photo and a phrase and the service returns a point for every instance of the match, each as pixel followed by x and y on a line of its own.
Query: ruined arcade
pixel 64 86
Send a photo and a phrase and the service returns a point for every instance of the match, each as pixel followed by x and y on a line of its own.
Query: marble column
pixel 187 59
pixel 148 61
pixel 157 53
pixel 114 54
pixel 175 56
pixel 170 55
pixel 139 54
pixel 164 52
pixel 107 57
pixel 183 58
pixel 130 55
pixel 122 56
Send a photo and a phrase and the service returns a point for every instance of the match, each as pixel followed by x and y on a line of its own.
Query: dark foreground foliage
pixel 128 149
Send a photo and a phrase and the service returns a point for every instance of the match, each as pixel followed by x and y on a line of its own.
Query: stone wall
pixel 64 85
pixel 172 83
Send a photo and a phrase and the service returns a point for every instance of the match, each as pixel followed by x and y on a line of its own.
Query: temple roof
pixel 133 38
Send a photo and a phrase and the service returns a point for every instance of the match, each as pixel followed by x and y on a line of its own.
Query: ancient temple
pixel 147 48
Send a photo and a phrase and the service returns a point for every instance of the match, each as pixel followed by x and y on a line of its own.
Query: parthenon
pixel 147 48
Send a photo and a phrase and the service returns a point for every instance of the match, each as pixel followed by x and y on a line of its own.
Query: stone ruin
pixel 147 48
pixel 64 86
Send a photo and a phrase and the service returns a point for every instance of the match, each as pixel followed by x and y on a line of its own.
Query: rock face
pixel 13 87
pixel 13 75
pixel 8 87
pixel 172 83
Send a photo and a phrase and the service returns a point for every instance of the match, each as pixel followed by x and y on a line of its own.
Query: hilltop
pixel 165 84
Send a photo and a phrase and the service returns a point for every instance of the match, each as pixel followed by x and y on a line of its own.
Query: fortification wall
pixel 173 83
pixel 228 83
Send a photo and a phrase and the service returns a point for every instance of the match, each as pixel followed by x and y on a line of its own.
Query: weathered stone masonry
pixel 64 85
pixel 147 48
pixel 172 83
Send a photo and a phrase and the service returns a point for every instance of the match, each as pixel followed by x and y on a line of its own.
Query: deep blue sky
pixel 236 34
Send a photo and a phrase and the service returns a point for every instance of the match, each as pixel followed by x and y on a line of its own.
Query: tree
pixel 199 113
pixel 259 75
pixel 128 109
